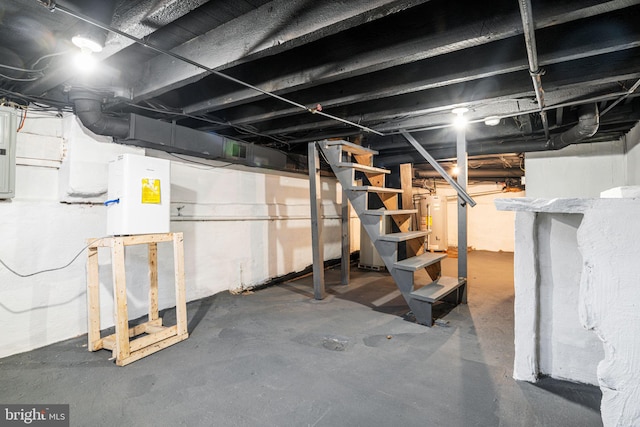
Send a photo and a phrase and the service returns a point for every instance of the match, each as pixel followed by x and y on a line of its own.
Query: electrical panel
pixel 139 193
pixel 7 152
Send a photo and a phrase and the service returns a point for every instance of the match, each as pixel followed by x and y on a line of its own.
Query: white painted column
pixel 526 280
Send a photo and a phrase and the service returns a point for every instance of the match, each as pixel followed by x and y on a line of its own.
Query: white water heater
pixel 433 217
pixel 139 193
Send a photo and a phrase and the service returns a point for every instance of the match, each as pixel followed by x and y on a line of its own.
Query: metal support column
pixel 346 240
pixel 461 147
pixel 317 244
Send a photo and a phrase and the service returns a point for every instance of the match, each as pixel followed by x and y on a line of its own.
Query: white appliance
pixel 433 216
pixel 139 193
pixel 369 257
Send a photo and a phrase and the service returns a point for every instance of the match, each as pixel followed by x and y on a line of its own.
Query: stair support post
pixel 317 240
pixel 346 240
pixel 461 149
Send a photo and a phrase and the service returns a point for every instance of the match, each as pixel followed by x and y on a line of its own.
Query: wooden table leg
pixel 121 315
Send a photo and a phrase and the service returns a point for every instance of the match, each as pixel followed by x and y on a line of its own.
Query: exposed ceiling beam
pixel 272 28
pixel 424 45
pixel 470 64
pixel 138 21
pixel 564 81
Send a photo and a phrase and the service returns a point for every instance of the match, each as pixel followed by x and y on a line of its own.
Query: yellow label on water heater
pixel 151 191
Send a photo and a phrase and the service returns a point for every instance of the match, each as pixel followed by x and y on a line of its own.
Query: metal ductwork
pixel 588 124
pixel 88 108
pixel 140 131
pixel 477 173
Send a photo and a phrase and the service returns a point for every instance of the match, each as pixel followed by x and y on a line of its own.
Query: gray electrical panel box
pixel 7 152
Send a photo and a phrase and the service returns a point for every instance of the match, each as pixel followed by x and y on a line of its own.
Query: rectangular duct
pixel 172 138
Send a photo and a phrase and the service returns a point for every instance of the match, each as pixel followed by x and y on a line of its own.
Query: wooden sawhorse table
pixel 126 350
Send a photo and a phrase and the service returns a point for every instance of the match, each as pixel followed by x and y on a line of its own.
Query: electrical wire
pixel 24 70
pixel 48 270
pixel 23 119
pixel 16 79
pixel 53 6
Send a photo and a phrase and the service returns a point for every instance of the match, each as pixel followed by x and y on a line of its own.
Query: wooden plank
pixel 181 297
pixel 121 315
pixel 147 238
pixel 142 328
pixel 406 183
pixel 150 329
pixel 147 340
pixel 363 159
pixel 389 200
pixel 437 290
pixel 93 300
pixel 109 342
pixel 363 168
pixel 352 148
pixel 153 281
pixel 151 349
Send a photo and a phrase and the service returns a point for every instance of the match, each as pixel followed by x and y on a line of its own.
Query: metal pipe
pixel 53 6
pixel 88 108
pixel 588 124
pixel 532 55
pixel 461 191
pixel 478 173
pixel 622 98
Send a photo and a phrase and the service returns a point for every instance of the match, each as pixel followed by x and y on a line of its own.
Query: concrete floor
pixel 277 358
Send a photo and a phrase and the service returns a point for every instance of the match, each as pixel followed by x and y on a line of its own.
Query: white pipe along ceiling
pixel 278 74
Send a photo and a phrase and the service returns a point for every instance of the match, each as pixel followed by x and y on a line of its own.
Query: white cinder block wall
pixel 242 227
pixel 488 229
pixel 565 348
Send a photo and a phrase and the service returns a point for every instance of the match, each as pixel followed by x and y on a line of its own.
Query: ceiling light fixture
pixel 84 61
pixel 87 42
pixel 460 121
pixel 492 121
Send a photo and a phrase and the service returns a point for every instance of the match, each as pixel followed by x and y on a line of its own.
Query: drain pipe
pixel 588 124
pixel 532 54
pixel 88 108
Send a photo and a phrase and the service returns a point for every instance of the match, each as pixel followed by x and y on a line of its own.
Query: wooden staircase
pixel 346 159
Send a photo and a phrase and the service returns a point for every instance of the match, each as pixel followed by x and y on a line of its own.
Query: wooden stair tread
pixel 350 147
pixel 402 237
pixel 421 261
pixel 363 168
pixel 438 289
pixel 371 189
pixel 387 212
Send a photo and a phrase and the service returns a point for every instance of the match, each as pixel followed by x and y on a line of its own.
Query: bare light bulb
pixel 84 61
pixel 460 121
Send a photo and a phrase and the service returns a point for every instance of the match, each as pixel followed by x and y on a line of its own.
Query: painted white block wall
pixel 242 227
pixel 608 295
pixel 579 170
pixel 488 229
pixel 632 144
pixel 566 350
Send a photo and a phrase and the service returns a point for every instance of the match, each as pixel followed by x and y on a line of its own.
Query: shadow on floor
pixel 585 395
